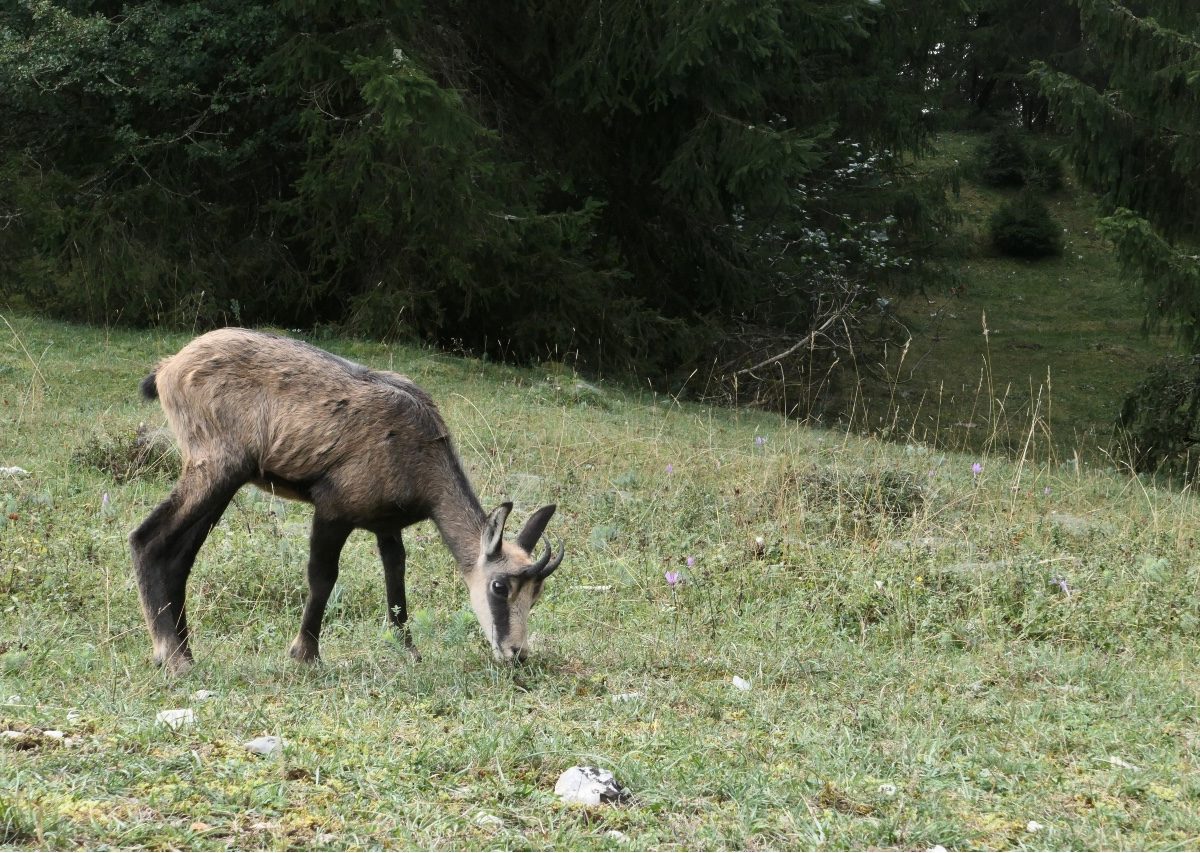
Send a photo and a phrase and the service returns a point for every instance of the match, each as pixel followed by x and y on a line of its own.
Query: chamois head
pixel 506 580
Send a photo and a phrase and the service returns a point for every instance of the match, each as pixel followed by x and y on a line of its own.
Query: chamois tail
pixel 149 386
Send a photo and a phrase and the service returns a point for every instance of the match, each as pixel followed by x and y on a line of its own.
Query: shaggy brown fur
pixel 367 448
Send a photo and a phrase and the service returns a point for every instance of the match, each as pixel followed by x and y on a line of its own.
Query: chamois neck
pixel 459 517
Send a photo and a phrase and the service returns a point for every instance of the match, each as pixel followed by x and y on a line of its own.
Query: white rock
pixel 11 735
pixel 740 683
pixel 201 695
pixel 626 697
pixel 617 835
pixel 74 716
pixel 1033 826
pixel 176 718
pixel 265 745
pixel 937 848
pixel 13 471
pixel 1116 761
pixel 54 734
pixel 590 786
pixel 887 789
pixel 485 819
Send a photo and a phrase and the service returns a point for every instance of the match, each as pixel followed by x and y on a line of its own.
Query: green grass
pixel 919 675
pixel 1064 339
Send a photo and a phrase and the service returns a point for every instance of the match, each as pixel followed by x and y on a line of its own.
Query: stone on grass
pixel 176 718
pixel 1034 826
pixel 740 683
pixel 13 471
pixel 54 734
pixel 617 836
pixel 265 745
pixel 590 786
pixel 626 697
pixel 201 695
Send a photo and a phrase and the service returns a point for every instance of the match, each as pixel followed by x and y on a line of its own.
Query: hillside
pixel 1064 340
pixel 991 656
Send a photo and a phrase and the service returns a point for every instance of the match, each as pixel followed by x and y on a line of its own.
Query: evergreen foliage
pixel 1160 420
pixel 616 180
pixel 1024 228
pixel 1003 159
pixel 1134 137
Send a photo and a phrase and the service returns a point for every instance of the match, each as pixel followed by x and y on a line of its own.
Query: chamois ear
pixel 535 525
pixel 492 535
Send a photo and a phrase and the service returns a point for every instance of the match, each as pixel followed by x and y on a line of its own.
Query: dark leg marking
pixel 164 549
pixel 391 552
pixel 325 548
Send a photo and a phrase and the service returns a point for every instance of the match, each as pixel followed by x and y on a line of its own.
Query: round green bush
pixel 1046 171
pixel 1024 228
pixel 1003 159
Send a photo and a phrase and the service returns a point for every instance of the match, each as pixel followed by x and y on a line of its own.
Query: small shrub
pixel 1024 228
pixel 1004 160
pixel 1160 420
pixel 865 499
pixel 1046 171
pixel 129 457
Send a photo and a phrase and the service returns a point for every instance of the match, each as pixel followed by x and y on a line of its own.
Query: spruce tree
pixel 1134 137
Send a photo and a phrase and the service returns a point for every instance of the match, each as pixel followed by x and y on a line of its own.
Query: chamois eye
pixel 500 588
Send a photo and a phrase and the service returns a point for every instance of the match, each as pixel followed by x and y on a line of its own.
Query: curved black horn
pixel 555 560
pixel 538 569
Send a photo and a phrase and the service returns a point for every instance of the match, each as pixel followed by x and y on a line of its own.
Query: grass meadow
pixel 974 651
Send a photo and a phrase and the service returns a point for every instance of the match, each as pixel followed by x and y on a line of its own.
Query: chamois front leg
pixel 391 552
pixel 325 549
pixel 164 549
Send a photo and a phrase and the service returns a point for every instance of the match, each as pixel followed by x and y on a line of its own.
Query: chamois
pixel 367 448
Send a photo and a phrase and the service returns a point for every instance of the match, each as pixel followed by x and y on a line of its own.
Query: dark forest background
pixel 641 187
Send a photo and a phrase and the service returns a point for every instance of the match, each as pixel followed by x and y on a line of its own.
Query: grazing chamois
pixel 367 448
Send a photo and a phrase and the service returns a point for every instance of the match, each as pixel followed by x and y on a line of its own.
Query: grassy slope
pixel 917 678
pixel 1069 320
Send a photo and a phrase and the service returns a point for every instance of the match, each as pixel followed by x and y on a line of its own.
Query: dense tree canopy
pixel 624 181
pixel 614 179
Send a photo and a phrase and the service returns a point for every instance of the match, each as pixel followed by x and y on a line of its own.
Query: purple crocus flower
pixel 691 561
pixel 672 578
pixel 760 440
pixel 977 469
pixel 670 468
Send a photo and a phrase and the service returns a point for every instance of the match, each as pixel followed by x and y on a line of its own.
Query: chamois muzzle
pixel 546 564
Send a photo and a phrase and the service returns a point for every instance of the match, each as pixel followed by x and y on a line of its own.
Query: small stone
pixel 617 835
pixel 201 695
pixel 53 734
pixel 265 745
pixel 176 718
pixel 937 848
pixel 740 683
pixel 590 786
pixel 13 471
pixel 11 735
pixel 626 697
pixel 887 789
pixel 485 819
pixel 1033 826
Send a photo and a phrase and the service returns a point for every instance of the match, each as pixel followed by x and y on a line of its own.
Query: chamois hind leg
pixel 325 548
pixel 164 549
pixel 391 551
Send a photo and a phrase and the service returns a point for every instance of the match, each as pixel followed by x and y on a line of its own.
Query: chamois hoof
pixel 304 651
pixel 174 665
